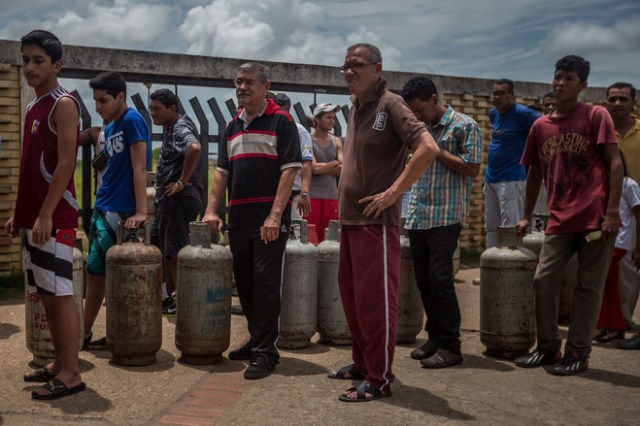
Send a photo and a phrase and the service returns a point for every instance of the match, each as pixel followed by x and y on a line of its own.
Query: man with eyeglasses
pixel 258 158
pixel 504 180
pixel 621 102
pixel 381 131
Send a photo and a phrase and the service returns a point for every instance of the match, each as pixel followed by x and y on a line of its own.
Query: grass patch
pixel 12 286
pixel 470 257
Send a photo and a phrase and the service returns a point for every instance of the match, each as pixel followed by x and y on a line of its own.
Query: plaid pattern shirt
pixel 442 196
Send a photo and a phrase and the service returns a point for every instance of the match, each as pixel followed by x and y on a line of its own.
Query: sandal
pixel 348 372
pixel 57 389
pixel 41 375
pixel 362 389
pixel 609 336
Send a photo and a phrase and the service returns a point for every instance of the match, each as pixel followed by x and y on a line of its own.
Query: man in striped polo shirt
pixel 258 158
pixel 437 210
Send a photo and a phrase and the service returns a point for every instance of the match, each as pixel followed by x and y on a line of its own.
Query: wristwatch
pixel 304 195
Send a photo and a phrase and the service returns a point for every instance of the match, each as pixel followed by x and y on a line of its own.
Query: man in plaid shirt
pixel 437 210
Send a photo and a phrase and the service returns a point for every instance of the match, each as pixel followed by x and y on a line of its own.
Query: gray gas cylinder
pixel 299 312
pixel 38 336
pixel 534 240
pixel 203 319
pixel 507 300
pixel 410 309
pixel 456 260
pixel 332 322
pixel 151 196
pixel 134 300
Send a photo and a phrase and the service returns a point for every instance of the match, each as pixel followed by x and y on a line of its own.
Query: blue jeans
pixel 432 251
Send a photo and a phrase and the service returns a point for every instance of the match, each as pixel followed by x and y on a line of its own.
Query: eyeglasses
pixel 239 82
pixel 614 99
pixel 356 66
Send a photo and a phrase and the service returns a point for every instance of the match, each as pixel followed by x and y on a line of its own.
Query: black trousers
pixel 432 251
pixel 258 273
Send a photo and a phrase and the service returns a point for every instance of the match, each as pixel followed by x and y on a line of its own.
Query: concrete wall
pixel 468 95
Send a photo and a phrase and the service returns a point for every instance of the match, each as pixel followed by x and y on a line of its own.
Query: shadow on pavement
pixel 226 366
pixel 164 361
pixel 6 330
pixel 315 348
pixel 418 399
pixel 486 363
pixel 88 401
pixel 296 367
pixel 618 379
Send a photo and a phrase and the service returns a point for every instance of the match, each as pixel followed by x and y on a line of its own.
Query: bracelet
pixel 304 194
pixel 180 183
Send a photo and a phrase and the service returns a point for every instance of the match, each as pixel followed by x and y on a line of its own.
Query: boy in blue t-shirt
pixel 122 196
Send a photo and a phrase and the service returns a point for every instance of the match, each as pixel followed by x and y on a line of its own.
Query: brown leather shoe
pixel 425 351
pixel 443 358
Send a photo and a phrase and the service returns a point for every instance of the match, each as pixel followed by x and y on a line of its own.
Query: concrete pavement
pixel 482 390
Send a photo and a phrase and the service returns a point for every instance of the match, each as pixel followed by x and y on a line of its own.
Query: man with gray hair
pixel 258 158
pixel 382 130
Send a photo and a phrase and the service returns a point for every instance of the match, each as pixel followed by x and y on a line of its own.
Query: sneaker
pixel 425 351
pixel 633 343
pixel 236 310
pixel 570 364
pixel 260 366
pixel 443 358
pixel 167 301
pixel 97 345
pixel 243 353
pixel 169 307
pixel 86 340
pixel 537 358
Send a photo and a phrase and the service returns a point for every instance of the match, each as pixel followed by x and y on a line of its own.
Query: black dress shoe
pixel 243 353
pixel 425 351
pixel 633 343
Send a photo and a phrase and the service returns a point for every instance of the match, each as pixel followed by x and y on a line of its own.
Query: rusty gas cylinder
pixel 133 296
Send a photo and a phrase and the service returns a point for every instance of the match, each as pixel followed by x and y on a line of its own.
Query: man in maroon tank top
pixel 47 212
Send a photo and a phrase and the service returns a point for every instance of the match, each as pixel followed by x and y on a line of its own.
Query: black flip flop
pixel 349 370
pixel 362 389
pixel 41 375
pixel 57 389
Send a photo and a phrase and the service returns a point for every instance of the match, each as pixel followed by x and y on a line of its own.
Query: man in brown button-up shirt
pixel 381 131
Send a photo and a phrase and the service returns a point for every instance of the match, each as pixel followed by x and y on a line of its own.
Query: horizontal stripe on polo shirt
pixel 253 143
pixel 251 200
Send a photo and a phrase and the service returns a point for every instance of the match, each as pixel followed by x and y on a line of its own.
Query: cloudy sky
pixel 518 39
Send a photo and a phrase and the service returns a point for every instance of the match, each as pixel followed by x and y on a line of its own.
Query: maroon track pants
pixel 369 275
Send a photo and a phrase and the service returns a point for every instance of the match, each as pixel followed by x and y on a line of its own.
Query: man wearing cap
pixel 327 164
pixel 382 130
pixel 301 204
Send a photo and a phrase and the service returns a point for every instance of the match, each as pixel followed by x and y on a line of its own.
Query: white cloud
pixel 121 23
pixel 585 38
pixel 275 30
